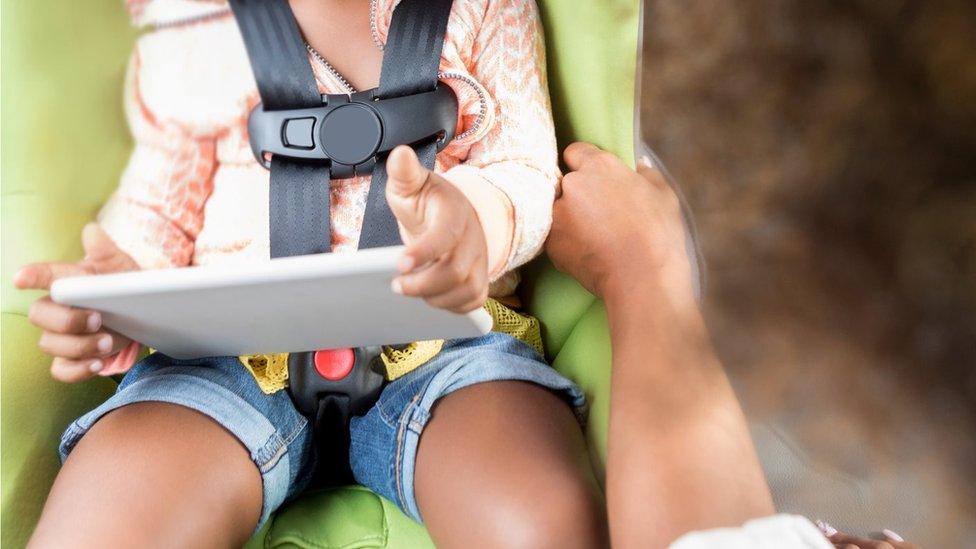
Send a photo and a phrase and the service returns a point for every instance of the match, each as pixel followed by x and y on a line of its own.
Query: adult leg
pixel 505 464
pixel 153 474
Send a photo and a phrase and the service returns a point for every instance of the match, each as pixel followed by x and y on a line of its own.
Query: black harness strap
pixel 277 53
pixel 411 60
pixel 299 202
pixel 299 192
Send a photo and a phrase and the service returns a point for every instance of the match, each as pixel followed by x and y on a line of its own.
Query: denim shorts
pixel 383 442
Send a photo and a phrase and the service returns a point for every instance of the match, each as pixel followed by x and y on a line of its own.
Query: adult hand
pixel 446 260
pixel 889 539
pixel 613 227
pixel 75 337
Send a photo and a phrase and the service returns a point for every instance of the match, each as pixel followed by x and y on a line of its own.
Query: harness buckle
pixel 350 132
pixel 315 375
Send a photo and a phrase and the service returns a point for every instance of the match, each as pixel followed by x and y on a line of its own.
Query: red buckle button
pixel 334 364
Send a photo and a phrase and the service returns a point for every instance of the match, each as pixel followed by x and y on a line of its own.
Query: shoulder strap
pixel 299 192
pixel 277 53
pixel 411 60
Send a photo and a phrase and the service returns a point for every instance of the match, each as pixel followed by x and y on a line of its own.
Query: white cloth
pixel 774 532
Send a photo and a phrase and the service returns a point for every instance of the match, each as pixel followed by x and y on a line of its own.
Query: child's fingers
pixel 436 279
pixel 80 346
pixel 405 174
pixel 50 316
pixel 461 299
pixel 40 276
pixel 72 371
pixel 429 247
pixel 406 179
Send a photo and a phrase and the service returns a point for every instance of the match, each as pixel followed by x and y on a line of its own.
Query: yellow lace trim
pixel 405 360
pixel 271 371
pixel 524 328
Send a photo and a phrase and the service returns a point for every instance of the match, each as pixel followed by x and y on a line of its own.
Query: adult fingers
pixel 62 319
pixel 577 154
pixel 652 175
pixel 841 539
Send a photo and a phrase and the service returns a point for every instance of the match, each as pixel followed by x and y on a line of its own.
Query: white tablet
pixel 306 303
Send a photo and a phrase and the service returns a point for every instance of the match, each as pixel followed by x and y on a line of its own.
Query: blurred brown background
pixel 828 150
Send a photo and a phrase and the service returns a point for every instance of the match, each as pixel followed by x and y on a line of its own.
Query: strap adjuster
pixel 349 132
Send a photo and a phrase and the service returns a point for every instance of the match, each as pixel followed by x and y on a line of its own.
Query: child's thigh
pixel 266 429
pixel 505 464
pixel 153 473
pixel 486 423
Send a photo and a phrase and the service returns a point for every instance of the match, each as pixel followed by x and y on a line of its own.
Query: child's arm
pixel 157 211
pixel 492 213
pixel 518 157
pixel 151 221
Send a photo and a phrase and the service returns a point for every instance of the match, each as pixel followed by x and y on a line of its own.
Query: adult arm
pixel 680 456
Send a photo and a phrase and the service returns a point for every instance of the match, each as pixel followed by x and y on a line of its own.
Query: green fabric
pixel 593 52
pixel 343 517
pixel 64 144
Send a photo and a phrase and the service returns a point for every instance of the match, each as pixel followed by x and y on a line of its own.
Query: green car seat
pixel 64 144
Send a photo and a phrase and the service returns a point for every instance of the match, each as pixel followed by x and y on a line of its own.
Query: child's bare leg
pixel 505 464
pixel 153 474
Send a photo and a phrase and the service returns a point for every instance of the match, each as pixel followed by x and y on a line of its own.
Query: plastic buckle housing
pixel 361 385
pixel 349 132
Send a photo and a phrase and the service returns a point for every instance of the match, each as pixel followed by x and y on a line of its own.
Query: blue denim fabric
pixel 279 439
pixel 383 449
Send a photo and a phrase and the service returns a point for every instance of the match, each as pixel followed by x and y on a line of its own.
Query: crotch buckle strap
pixel 348 133
pixel 331 387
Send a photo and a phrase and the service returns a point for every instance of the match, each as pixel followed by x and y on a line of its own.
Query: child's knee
pixel 569 512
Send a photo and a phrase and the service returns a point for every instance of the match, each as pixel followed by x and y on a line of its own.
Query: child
pixel 194 452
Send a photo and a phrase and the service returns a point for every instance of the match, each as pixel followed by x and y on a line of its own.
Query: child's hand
pixel 75 337
pixel 446 260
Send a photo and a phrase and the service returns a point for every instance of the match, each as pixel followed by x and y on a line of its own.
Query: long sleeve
pixel 518 155
pixel 157 210
pixel 156 213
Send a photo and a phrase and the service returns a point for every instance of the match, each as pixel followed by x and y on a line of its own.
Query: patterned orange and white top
pixel 192 193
